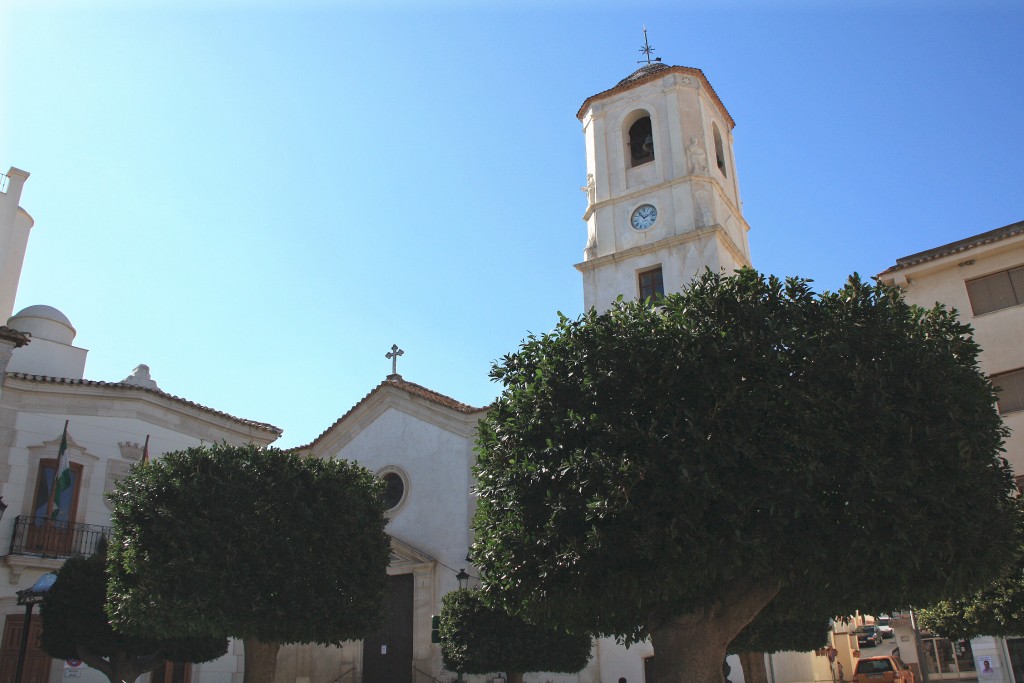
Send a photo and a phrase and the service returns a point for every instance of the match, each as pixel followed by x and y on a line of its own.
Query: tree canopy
pixel 75 626
pixel 477 639
pixel 665 470
pixel 254 543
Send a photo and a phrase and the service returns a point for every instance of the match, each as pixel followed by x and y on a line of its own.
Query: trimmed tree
pixel 249 542
pixel 478 639
pixel 75 626
pixel 665 471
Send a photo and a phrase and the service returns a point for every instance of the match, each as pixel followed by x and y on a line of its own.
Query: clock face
pixel 643 217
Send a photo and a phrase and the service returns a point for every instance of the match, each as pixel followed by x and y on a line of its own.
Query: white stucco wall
pixel 999 333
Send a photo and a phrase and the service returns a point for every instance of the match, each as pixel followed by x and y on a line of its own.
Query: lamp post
pixel 463 578
pixel 30 597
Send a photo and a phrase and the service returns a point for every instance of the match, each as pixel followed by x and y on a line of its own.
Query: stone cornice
pixel 32 393
pixel 386 396
pixel 715 231
pixel 650 189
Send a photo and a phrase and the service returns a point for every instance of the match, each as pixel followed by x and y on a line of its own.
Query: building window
pixel 68 503
pixel 49 534
pixel 719 149
pixel 999 290
pixel 396 487
pixel 1010 391
pixel 652 285
pixel 641 142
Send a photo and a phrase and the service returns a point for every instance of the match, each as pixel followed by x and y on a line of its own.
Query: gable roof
pixel 650 72
pixel 124 386
pixel 996 235
pixel 411 388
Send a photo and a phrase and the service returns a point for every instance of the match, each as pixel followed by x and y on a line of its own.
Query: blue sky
pixel 258 199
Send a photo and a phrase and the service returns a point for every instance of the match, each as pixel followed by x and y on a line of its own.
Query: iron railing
pixel 45 537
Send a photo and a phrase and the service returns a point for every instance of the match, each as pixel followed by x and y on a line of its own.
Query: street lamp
pixel 463 578
pixel 30 597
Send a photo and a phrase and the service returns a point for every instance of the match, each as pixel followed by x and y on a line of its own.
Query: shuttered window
pixel 1010 388
pixel 996 291
pixel 651 284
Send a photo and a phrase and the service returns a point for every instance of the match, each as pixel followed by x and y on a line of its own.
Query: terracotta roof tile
pixel 397 382
pixel 649 72
pixel 135 388
pixel 955 247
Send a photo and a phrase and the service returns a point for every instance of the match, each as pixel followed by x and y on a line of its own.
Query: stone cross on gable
pixel 393 356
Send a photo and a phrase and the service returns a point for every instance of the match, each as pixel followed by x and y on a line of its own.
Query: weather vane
pixel 647 49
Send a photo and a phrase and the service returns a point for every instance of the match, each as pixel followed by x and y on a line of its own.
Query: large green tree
pixel 477 638
pixel 249 542
pixel 664 471
pixel 75 626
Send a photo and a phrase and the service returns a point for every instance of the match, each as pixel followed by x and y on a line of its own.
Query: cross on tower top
pixel 647 49
pixel 393 355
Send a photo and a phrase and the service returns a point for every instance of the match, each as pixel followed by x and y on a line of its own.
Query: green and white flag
pixel 62 480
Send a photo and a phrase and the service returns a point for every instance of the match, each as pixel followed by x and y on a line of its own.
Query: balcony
pixel 44 537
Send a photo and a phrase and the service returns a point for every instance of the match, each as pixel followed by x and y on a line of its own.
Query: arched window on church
pixel 641 142
pixel 719 149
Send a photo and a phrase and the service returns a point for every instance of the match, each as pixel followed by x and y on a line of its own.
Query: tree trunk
pixel 690 648
pixel 260 661
pixel 120 668
pixel 514 676
pixel 754 670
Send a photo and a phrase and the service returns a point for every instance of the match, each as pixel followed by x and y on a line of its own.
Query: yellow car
pixel 886 669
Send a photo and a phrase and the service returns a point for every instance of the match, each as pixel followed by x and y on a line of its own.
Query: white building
pixel 108 423
pixel 982 277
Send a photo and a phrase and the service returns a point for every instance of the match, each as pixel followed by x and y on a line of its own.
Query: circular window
pixel 394 490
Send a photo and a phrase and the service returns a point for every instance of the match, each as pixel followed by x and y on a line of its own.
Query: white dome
pixel 44 322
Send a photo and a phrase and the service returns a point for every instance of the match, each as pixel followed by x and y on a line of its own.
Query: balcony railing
pixel 44 537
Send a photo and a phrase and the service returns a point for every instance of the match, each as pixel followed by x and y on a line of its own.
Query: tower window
pixel 652 285
pixel 719 149
pixel 641 142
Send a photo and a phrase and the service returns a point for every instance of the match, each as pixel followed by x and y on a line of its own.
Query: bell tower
pixel 663 202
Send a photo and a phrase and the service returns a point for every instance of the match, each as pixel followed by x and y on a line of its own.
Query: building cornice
pixel 714 232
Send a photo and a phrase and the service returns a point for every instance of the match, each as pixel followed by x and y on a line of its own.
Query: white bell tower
pixel 663 202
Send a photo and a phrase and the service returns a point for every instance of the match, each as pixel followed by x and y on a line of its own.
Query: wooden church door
pixel 387 655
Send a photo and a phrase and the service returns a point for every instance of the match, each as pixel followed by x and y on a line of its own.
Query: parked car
pixel 883 625
pixel 887 669
pixel 868 635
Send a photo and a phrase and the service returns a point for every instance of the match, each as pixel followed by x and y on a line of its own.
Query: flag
pixel 145 451
pixel 62 478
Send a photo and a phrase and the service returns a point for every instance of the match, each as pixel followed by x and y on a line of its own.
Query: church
pixel 663 204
